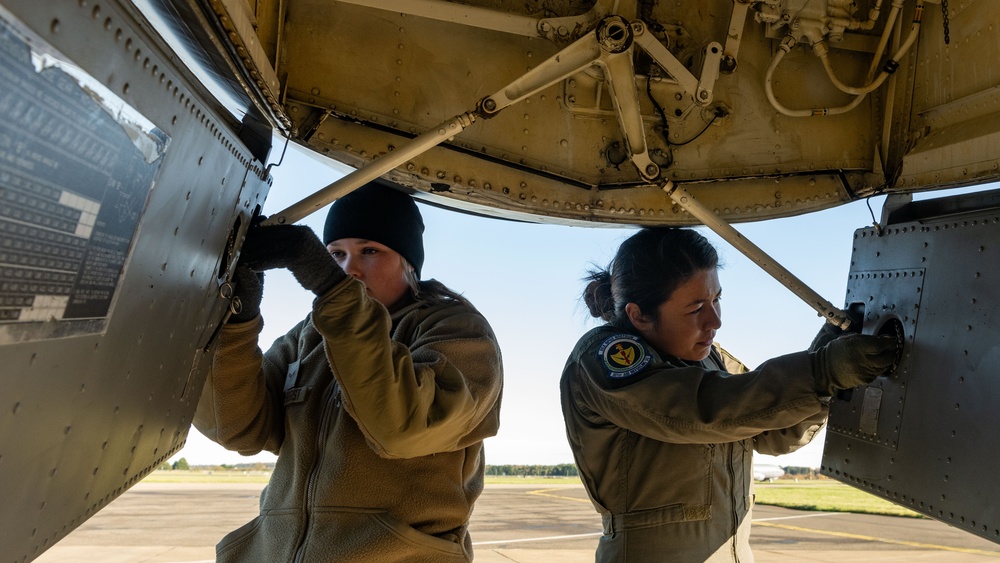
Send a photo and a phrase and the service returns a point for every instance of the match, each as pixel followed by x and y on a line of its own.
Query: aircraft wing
pixel 576 111
pixel 135 140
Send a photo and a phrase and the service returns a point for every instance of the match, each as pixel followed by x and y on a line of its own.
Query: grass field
pixel 826 496
pixel 198 476
pixel 823 495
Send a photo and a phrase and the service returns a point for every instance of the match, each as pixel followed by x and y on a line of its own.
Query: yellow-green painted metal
pixel 135 136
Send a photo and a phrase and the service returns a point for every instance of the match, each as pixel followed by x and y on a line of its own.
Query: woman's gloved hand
pixel 296 248
pixel 249 289
pixel 852 360
pixel 827 333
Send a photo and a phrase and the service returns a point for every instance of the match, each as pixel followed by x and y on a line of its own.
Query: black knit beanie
pixel 379 213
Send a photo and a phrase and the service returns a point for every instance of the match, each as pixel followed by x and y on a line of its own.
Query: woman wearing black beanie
pixel 377 404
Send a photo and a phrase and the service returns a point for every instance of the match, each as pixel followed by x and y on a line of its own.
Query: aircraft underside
pixel 135 140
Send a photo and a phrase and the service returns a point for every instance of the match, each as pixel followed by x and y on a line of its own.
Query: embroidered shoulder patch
pixel 623 355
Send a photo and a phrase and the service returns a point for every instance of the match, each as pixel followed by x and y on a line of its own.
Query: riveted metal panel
pixel 397 71
pixel 922 437
pixel 358 79
pixel 361 81
pixel 124 193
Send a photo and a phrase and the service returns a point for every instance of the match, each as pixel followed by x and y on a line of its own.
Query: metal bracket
pixel 609 47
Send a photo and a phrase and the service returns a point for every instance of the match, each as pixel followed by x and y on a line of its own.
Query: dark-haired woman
pixel 663 423
pixel 377 404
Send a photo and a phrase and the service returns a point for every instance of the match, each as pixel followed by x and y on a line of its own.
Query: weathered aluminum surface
pixel 360 78
pixel 121 187
pixel 923 437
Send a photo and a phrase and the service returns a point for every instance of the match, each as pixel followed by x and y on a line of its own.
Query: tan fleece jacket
pixel 378 423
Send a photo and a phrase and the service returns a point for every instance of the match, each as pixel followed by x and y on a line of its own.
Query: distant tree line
pixel 183 465
pixel 802 473
pixel 561 470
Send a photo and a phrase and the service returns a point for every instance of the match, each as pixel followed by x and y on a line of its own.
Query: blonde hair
pixel 429 290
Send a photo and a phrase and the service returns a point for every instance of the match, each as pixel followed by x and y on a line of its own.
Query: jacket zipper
pixel 314 471
pixel 732 499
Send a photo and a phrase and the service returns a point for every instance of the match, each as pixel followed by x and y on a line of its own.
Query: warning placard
pixel 76 169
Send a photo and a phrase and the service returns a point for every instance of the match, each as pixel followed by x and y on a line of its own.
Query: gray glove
pixel 249 288
pixel 852 360
pixel 294 247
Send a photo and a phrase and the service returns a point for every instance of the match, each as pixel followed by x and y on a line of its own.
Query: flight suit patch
pixel 294 394
pixel 623 355
pixel 297 395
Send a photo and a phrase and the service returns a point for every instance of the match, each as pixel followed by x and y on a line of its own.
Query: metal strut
pixel 609 46
pixel 682 197
pixel 372 170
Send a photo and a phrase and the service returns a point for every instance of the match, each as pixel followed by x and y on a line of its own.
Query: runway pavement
pixel 180 523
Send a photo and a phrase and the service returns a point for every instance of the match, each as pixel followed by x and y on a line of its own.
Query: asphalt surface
pixel 180 523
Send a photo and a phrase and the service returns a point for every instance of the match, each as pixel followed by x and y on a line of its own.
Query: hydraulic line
pixel 821 51
pixel 786 45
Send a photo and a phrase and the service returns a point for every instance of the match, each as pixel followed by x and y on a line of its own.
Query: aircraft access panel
pixel 924 437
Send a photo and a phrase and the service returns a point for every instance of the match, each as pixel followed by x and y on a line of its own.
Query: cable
pixel 715 115
pixel 878 228
pixel 659 109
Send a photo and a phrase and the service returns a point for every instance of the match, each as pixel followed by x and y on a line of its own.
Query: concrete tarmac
pixel 180 523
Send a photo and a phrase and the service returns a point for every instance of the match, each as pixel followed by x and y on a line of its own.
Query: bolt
pixel 651 170
pixel 728 64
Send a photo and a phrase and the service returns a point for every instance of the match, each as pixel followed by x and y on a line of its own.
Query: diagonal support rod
pixel 610 46
pixel 372 170
pixel 682 197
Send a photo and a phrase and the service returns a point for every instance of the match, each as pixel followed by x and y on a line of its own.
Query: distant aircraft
pixel 767 472
pixel 136 146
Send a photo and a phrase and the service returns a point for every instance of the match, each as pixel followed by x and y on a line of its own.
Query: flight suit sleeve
pixel 784 440
pixel 787 440
pixel 675 402
pixel 440 394
pixel 241 407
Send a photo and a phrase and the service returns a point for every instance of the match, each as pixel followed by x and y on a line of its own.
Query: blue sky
pixel 526 279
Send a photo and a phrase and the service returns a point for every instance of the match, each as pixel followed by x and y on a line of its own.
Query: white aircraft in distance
pixel 767 472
